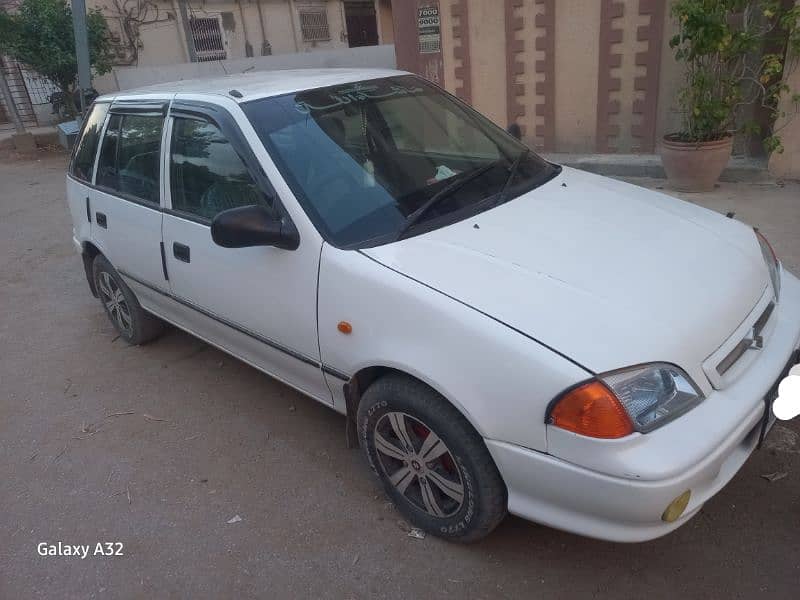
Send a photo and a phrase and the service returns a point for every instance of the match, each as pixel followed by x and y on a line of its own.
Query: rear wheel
pixel 132 322
pixel 432 463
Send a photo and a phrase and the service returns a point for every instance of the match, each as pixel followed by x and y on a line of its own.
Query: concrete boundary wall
pixel 124 78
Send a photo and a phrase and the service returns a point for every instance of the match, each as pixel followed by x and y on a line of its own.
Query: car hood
pixel 606 273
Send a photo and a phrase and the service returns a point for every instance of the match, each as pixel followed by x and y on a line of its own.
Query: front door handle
pixel 181 252
pixel 101 220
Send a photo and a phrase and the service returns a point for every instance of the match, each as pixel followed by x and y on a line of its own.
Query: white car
pixel 503 334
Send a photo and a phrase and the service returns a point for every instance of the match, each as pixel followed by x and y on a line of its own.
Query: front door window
pixel 207 176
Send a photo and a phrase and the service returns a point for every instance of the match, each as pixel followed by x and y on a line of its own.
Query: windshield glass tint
pixel 362 157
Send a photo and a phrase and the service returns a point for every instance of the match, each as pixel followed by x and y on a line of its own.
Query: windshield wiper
pixel 445 192
pixel 512 174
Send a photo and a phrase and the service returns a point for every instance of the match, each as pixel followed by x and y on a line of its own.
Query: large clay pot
pixel 695 166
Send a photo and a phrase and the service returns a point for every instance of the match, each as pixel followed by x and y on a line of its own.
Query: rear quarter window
pixel 86 147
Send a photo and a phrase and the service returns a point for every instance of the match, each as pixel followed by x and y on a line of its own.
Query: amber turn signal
pixel 592 410
pixel 345 327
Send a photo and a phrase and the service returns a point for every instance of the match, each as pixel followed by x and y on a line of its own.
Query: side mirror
pixel 253 225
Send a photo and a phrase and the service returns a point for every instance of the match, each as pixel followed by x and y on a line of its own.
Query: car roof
pixel 254 85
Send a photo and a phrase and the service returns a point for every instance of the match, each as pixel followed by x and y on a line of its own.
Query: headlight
pixel 773 264
pixel 616 404
pixel 653 394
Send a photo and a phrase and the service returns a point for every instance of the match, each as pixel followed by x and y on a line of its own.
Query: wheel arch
pixel 88 253
pixel 358 383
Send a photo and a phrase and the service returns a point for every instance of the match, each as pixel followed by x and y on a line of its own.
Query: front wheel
pixel 433 465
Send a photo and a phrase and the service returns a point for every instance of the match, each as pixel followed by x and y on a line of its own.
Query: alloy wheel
pixel 419 464
pixel 115 302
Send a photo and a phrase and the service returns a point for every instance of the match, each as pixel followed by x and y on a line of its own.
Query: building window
pixel 314 25
pixel 209 43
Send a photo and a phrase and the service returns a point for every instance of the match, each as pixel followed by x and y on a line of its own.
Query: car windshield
pixel 364 159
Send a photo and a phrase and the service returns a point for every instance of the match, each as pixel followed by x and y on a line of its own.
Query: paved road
pixel 208 438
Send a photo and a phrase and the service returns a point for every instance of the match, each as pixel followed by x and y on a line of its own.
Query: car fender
pixel 500 379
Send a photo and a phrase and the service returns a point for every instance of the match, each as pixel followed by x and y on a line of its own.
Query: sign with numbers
pixel 429 26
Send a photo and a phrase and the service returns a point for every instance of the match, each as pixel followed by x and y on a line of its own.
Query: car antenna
pixel 235 93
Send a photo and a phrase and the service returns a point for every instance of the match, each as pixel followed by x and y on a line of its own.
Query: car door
pixel 125 200
pixel 258 303
pixel 80 176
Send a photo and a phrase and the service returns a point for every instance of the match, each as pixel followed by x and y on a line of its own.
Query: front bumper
pixel 628 508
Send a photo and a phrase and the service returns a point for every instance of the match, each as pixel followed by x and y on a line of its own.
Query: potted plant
pixel 735 53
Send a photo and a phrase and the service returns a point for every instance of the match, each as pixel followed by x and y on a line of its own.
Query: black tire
pixel 396 400
pixel 140 326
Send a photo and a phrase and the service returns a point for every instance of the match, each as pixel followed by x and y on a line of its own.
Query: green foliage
pixel 40 36
pixel 735 53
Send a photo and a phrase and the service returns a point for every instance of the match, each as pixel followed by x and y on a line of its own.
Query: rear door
pixel 257 303
pixel 81 172
pixel 126 199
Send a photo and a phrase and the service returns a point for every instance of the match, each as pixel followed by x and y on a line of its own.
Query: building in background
pixel 165 32
pixel 148 34
pixel 576 76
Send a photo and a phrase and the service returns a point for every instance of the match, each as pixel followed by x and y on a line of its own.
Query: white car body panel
pixel 499 313
pixel 604 254
pixel 132 237
pixel 403 325
pixel 265 291
pixel 701 452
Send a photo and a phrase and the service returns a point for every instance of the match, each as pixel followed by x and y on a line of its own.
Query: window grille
pixel 209 43
pixel 314 25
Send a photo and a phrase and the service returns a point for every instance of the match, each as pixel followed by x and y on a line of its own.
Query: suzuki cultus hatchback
pixel 502 333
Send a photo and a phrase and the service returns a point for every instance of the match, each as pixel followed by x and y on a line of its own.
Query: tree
pixel 40 36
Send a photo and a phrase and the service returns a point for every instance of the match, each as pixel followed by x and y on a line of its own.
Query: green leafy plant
pixel 39 35
pixel 735 54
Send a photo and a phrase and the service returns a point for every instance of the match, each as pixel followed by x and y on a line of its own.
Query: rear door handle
pixel 181 252
pixel 101 220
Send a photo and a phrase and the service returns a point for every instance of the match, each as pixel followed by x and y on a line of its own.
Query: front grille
pixel 753 340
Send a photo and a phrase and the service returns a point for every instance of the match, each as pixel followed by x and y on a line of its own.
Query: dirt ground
pixel 158 447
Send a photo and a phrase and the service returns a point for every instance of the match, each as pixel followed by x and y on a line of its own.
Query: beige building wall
pixel 448 44
pixel 487 31
pixel 577 27
pixel 672 78
pixel 627 73
pixel 385 22
pixel 578 76
pixel 161 43
pixel 787 163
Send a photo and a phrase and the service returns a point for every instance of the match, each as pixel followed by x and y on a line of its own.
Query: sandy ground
pixel 209 438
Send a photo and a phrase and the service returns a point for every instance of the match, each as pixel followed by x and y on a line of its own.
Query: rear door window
pixel 107 163
pixel 129 159
pixel 86 148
